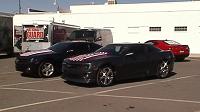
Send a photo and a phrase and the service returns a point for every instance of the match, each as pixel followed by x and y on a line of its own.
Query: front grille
pixel 72 66
pixel 22 60
pixel 75 70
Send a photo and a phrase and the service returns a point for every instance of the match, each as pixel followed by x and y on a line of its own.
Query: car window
pixel 171 42
pixel 151 43
pixel 81 48
pixel 94 47
pixel 151 49
pixel 137 50
pixel 83 35
pixel 60 47
pixel 113 49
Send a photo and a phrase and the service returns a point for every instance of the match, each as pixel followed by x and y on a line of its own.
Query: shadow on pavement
pixel 186 60
pixel 90 85
pixel 93 85
pixel 29 75
pixel 143 79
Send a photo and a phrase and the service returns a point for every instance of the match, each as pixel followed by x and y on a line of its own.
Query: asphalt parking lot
pixel 178 93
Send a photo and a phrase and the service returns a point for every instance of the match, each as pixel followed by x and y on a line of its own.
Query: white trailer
pixel 38 35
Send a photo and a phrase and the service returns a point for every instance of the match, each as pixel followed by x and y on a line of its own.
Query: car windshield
pixel 171 42
pixel 113 49
pixel 82 35
pixel 60 47
pixel 149 42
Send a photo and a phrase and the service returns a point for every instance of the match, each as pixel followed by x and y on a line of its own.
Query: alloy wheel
pixel 105 77
pixel 47 69
pixel 163 69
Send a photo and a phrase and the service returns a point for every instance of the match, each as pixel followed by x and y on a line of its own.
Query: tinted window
pixel 60 47
pixel 151 48
pixel 137 49
pixel 113 49
pixel 81 48
pixel 94 47
pixel 82 35
pixel 149 42
pixel 171 42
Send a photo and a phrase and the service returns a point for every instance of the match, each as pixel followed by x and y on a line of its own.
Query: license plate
pixel 181 51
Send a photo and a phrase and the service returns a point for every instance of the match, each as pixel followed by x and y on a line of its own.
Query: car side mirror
pixel 130 54
pixel 98 39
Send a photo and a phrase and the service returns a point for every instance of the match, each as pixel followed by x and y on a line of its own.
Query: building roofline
pixel 2 14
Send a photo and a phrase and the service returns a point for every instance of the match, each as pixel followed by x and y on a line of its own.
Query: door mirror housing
pixel 98 39
pixel 68 51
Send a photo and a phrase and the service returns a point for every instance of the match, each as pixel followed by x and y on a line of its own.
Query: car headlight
pixel 87 66
pixel 16 60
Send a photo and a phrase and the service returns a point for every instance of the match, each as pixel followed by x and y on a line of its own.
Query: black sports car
pixel 116 62
pixel 46 63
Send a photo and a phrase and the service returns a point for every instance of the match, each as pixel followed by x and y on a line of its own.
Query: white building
pixel 179 21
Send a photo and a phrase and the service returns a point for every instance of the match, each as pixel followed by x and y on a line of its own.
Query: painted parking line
pixel 179 78
pixel 31 82
pixel 9 72
pixel 44 102
pixel 140 85
pixel 36 90
pixel 97 94
pixel 149 98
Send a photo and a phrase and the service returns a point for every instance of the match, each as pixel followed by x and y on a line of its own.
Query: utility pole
pixel 20 8
pixel 56 4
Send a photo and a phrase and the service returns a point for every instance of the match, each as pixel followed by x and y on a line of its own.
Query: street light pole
pixel 20 8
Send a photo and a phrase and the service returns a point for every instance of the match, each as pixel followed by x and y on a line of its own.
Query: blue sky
pixel 11 6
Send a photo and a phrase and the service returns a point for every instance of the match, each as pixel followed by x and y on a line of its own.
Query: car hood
pixel 40 52
pixel 89 57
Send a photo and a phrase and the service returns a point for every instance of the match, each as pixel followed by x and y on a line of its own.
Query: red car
pixel 180 51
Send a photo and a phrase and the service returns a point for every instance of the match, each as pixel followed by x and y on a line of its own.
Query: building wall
pixel 131 22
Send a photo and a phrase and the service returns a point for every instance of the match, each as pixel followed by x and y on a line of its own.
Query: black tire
pixel 163 70
pixel 46 69
pixel 105 76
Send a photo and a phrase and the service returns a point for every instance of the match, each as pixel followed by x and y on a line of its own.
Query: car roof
pixel 77 41
pixel 86 30
pixel 131 44
pixel 159 40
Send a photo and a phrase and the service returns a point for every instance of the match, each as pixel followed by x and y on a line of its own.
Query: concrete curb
pixel 194 55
